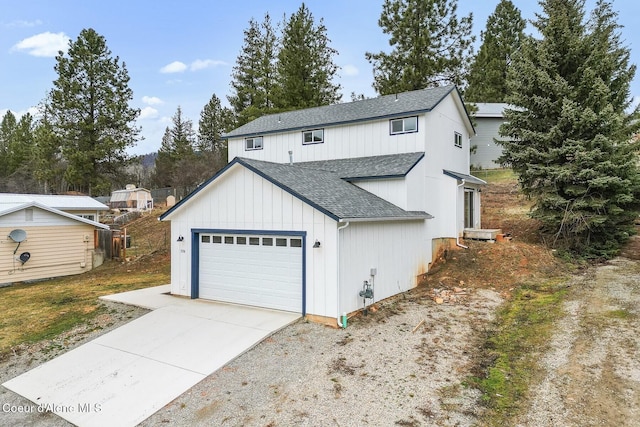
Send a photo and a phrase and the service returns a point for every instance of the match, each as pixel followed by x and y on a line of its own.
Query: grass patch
pixel 623 314
pixel 495 176
pixel 42 310
pixel 520 335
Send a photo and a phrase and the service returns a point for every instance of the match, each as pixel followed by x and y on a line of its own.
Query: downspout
pixel 342 322
pixel 456 218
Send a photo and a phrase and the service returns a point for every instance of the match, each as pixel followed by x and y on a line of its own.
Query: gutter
pixel 342 323
pixel 456 218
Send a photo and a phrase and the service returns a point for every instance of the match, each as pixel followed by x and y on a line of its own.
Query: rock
pixel 439 300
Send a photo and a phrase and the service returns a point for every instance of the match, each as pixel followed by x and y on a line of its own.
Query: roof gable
pixel 387 106
pixel 9 209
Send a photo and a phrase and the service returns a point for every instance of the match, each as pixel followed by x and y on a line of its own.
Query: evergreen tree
pixel 570 139
pixel 253 77
pixel 176 162
pixel 500 40
pixel 21 145
pixel 305 67
pixel 7 130
pixel 48 165
pixel 90 113
pixel 214 121
pixel 431 46
pixel 164 165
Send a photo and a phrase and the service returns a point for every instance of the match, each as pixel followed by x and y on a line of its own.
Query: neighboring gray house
pixel 488 119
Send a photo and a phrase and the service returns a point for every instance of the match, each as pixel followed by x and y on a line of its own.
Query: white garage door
pixel 263 271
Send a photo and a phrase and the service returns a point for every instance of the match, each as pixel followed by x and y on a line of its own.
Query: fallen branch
pixel 417 326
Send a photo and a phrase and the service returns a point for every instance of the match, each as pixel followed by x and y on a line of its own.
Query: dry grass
pixel 41 310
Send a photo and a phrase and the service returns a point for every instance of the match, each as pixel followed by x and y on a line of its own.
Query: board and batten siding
pixel 242 200
pixel 363 139
pixel 398 250
pixel 59 250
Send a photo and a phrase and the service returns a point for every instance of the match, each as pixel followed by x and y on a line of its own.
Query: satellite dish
pixel 18 235
pixel 24 257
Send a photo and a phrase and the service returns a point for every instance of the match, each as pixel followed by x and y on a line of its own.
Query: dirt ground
pixel 592 369
pixel 407 361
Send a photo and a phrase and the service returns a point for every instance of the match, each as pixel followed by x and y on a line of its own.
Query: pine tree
pixel 254 75
pixel 500 40
pixel 89 109
pixel 570 139
pixel 176 164
pixel 305 67
pixel 21 146
pixel 164 165
pixel 48 164
pixel 7 130
pixel 430 46
pixel 214 121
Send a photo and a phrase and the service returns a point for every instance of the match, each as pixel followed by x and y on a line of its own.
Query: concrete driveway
pixel 124 376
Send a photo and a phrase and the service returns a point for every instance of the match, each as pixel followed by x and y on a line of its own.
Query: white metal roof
pixel 7 208
pixel 490 109
pixel 61 202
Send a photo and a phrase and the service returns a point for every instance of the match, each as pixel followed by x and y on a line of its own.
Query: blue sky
pixel 181 53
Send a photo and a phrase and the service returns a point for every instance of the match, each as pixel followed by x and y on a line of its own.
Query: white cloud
pixel 44 44
pixel 201 64
pixel 34 111
pixel 23 24
pixel 152 100
pixel 148 113
pixel 350 70
pixel 174 67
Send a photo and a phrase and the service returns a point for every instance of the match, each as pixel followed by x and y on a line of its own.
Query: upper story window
pixel 254 143
pixel 313 136
pixel 404 125
pixel 457 139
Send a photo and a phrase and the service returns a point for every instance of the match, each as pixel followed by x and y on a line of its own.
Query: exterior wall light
pixel 316 244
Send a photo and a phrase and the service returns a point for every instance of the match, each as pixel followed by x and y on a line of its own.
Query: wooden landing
pixel 482 233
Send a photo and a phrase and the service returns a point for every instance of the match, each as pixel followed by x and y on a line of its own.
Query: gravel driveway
pixel 387 368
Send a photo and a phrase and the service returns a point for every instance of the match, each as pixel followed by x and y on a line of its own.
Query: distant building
pixel 131 198
pixel 489 118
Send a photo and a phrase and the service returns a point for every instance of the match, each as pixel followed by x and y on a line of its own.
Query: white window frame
pixel 457 139
pixel 253 143
pixel 312 135
pixel 405 128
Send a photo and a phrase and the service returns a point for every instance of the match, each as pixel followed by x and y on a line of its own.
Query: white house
pixel 316 202
pixel 488 119
pixel 132 198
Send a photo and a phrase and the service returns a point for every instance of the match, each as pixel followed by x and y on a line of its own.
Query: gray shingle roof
pixel 327 192
pixel 464 177
pixel 405 103
pixel 387 166
pixel 323 185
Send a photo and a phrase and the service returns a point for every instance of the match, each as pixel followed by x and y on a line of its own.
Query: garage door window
pixel 282 242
